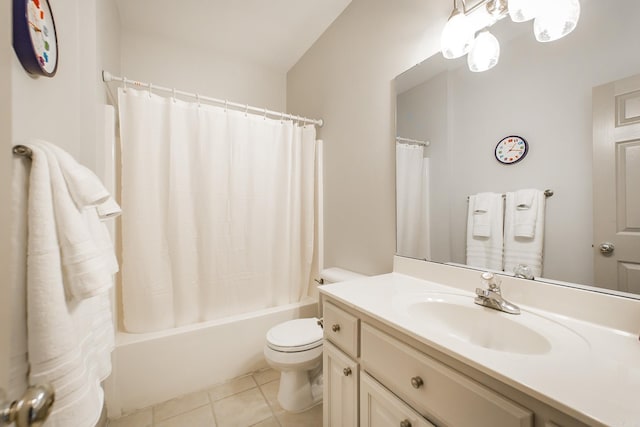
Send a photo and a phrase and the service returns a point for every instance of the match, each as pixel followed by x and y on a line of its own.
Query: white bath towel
pixel 486 251
pixel 70 338
pixel 519 249
pixel 526 212
pixel 86 270
pixel 84 187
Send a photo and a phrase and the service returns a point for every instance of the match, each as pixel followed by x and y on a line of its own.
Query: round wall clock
pixel 34 37
pixel 511 149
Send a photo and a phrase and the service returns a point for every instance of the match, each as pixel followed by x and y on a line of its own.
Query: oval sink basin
pixel 457 316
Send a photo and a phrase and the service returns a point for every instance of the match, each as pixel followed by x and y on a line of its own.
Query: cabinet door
pixel 340 388
pixel 380 408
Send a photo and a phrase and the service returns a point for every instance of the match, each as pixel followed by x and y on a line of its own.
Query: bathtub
pixel 154 367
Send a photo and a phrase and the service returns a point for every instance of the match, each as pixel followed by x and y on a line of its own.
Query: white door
pixel 340 377
pixel 616 184
pixel 5 190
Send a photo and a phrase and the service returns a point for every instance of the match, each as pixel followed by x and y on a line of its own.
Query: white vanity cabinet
pixel 434 389
pixel 340 368
pixel 340 394
pixel 380 408
pixel 376 375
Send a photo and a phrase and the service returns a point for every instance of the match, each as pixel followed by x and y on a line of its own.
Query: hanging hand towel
pixel 485 251
pixel 522 249
pixel 526 212
pixel 481 205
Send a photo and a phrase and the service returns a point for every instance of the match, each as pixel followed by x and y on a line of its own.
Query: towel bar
pixel 22 150
pixel 547 193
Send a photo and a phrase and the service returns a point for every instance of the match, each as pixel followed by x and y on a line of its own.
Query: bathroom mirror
pixel 539 91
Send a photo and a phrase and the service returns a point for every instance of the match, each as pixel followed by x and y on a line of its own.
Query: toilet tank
pixel 335 275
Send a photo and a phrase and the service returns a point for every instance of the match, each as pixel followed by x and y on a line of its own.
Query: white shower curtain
pixel 218 211
pixel 412 201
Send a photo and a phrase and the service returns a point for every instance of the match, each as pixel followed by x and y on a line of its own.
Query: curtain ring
pixel 282 117
pixel 198 99
pixel 150 86
pixel 264 117
pixel 124 84
pixel 174 94
pixel 246 110
pixel 226 103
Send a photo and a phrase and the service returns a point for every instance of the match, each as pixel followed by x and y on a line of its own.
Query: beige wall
pixel 346 78
pixel 170 63
pixel 5 188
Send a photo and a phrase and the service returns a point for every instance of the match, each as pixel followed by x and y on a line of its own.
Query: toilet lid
pixel 295 335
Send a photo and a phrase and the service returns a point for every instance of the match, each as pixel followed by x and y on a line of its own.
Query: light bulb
pixel 484 53
pixel 557 18
pixel 523 10
pixel 456 36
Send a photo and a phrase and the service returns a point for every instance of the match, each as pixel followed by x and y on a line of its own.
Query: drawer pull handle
pixel 346 372
pixel 405 423
pixel 335 328
pixel 416 382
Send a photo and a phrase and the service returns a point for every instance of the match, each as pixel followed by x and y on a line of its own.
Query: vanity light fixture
pixel 467 31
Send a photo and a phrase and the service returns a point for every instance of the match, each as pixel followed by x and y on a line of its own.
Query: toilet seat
pixel 295 336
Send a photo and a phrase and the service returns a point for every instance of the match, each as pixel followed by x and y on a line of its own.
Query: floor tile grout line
pixel 154 421
pixel 275 417
pixel 213 411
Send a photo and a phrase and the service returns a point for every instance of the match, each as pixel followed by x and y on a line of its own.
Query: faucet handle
pixel 482 292
pixel 490 280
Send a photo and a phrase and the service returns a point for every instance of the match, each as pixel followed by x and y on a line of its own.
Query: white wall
pixel 62 109
pixel 346 78
pixel 196 69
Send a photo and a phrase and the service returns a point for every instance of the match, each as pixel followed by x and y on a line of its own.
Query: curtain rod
pixel 108 77
pixel 413 141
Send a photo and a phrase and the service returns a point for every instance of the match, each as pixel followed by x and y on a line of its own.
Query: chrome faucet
pixel 492 297
pixel 523 271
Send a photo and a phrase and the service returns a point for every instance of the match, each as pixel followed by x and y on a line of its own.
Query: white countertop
pixel 596 378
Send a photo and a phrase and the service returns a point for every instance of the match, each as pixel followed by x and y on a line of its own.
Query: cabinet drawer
pixel 341 328
pixel 436 391
pixel 380 407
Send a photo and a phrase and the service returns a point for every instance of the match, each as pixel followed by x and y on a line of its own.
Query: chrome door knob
pixel 607 248
pixel 416 382
pixel 30 411
pixel 335 328
pixel 346 372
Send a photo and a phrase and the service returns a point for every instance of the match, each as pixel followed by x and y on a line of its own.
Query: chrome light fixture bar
pixel 467 30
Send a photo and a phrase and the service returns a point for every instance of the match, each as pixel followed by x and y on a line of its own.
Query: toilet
pixel 294 348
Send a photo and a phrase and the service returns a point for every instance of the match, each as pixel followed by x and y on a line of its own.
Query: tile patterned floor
pixel 248 401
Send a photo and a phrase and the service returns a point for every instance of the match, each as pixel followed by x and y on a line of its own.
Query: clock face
pixel 511 149
pixel 34 36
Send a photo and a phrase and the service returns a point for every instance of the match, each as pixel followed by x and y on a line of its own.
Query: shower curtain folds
pixel 218 211
pixel 412 201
